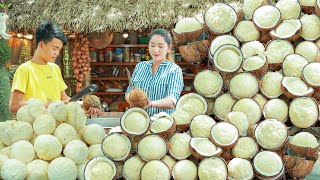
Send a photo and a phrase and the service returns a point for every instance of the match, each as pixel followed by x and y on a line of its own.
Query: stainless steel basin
pixel 105 122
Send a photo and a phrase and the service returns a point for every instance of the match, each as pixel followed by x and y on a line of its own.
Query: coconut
pixel 304 144
pixel 179 145
pixel 210 102
pixel 297 167
pixel 116 146
pixel 195 52
pixel 238 7
pixel 212 168
pixel 268 165
pixel 260 99
pixel 182 120
pixel 276 51
pixel 266 17
pixel 245 148
pixel 303 112
pixel 220 18
pixel 132 167
pixel 138 98
pixel 240 169
pixel 227 59
pixel 308 6
pixel 276 109
pixel 311 74
pixel 250 108
pixel 223 106
pixel 294 87
pixel 170 161
pixel 208 83
pixel 201 125
pixel 240 120
pixel 290 9
pixel 163 125
pixel 91 101
pixel 135 122
pixel 310 27
pixel 288 30
pixel 245 31
pixel 249 6
pixel 202 148
pixel 252 48
pixel 293 65
pixel 270 84
pixel 244 85
pixel 185 169
pixel 100 168
pixel 192 103
pixel 155 169
pixel 152 147
pixel 256 65
pixel 317 8
pixel 309 50
pixel 187 30
pixel 269 138
pixel 220 41
pixel 224 134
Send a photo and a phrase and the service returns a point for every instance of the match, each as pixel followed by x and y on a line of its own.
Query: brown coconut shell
pixel 182 127
pixel 316 94
pixel 198 155
pixel 308 152
pixel 225 147
pixel 227 155
pixel 289 95
pixel 308 9
pixel 138 98
pixel 124 158
pixel 259 72
pixel 91 101
pixel 317 10
pixel 306 81
pixel 266 29
pixel 292 38
pixel 185 38
pixel 265 37
pixel 297 167
pixel 195 52
pixel 167 133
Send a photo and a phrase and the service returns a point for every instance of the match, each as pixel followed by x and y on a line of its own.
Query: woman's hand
pixel 92 111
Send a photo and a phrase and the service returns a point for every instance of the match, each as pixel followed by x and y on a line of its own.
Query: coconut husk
pixel 289 95
pixel 261 71
pixel 308 152
pixel 167 133
pixel 138 98
pixel 227 155
pixel 91 101
pixel 187 37
pixel 297 167
pixel 195 52
pixel 316 94
pixel 265 37
pixel 308 9
pixel 317 10
pixel 100 40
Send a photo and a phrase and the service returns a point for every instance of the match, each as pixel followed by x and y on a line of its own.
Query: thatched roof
pixel 98 15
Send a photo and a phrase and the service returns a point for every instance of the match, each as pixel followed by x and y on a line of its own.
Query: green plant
pixel 5 52
pixel 5 6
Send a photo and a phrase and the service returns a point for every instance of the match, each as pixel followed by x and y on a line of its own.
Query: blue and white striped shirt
pixel 166 82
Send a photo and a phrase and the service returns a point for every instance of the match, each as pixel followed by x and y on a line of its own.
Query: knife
pixel 85 91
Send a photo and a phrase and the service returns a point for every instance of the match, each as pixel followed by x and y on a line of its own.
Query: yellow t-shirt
pixel 43 82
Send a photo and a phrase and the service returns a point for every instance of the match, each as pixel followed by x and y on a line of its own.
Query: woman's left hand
pixel 92 111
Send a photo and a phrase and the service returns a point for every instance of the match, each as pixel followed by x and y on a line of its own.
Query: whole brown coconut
pixel 91 101
pixel 138 98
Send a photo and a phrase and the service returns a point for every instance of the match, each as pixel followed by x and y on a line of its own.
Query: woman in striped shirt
pixel 159 78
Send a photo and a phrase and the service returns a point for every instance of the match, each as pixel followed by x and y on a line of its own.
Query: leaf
pixel 9 5
pixel 2 5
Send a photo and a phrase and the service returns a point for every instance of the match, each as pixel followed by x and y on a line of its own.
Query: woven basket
pixel 100 40
pixel 195 52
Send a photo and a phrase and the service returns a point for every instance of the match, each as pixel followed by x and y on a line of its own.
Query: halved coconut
pixel 208 83
pixel 227 59
pixel 295 87
pixel 170 161
pixel 276 109
pixel 245 148
pixel 132 167
pixel 212 168
pixel 297 167
pixel 135 122
pixel 310 27
pixel 293 65
pixel 317 9
pixel 202 148
pixel 250 108
pixel 290 9
pixel 185 169
pixel 155 169
pixel 308 6
pixel 192 103
pixel 252 48
pixel 309 50
pixel 303 112
pixel 195 52
pixel 179 145
pixel 304 144
pixel 249 6
pixel 224 134
pixel 311 74
pixel 163 125
pixel 152 147
pixel 240 169
pixel 266 17
pixel 100 168
pixel 276 51
pixel 256 65
pixel 270 84
pixel 268 165
pixel 245 31
pixel 260 99
pixel 240 120
pixel 116 146
pixel 220 18
pixel 223 106
pixel 220 41
pixel 182 120
pixel 187 30
pixel 243 85
pixel 200 126
pixel 288 30
pixel 271 134
pixel 238 7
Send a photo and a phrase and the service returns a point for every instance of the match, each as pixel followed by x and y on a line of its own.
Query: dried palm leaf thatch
pixel 195 52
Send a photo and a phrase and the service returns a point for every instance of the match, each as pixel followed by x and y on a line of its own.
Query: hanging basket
pixel 100 40
pixel 195 52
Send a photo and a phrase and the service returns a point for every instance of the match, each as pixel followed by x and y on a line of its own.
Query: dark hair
pixel 48 30
pixel 166 36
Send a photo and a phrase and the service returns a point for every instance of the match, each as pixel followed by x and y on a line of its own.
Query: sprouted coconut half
pixel 288 30
pixel 223 106
pixel 246 31
pixel 100 168
pixel 310 27
pixel 155 168
pixel 208 83
pixel 252 48
pixel 268 164
pixel 276 51
pixel 224 135
pixel 250 108
pixel 304 144
pixel 203 147
pixel 290 9
pixel 293 65
pixel 256 65
pixel 212 168
pixel 311 74
pixel 163 125
pixel 270 84
pixel 116 146
pixel 152 147
pixel 227 59
pixel 179 145
pixel 266 17
pixel 185 169
pixel 295 87
pixel 303 112
pixel 240 169
pixel 135 122
pixel 276 109
pixel 187 30
pixel 220 41
pixel 245 148
pixel 192 103
pixel 308 50
pixel 200 126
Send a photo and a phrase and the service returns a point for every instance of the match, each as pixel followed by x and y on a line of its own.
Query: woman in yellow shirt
pixel 41 78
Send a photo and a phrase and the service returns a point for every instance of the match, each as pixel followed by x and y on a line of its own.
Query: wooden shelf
pixel 126 78
pixel 129 45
